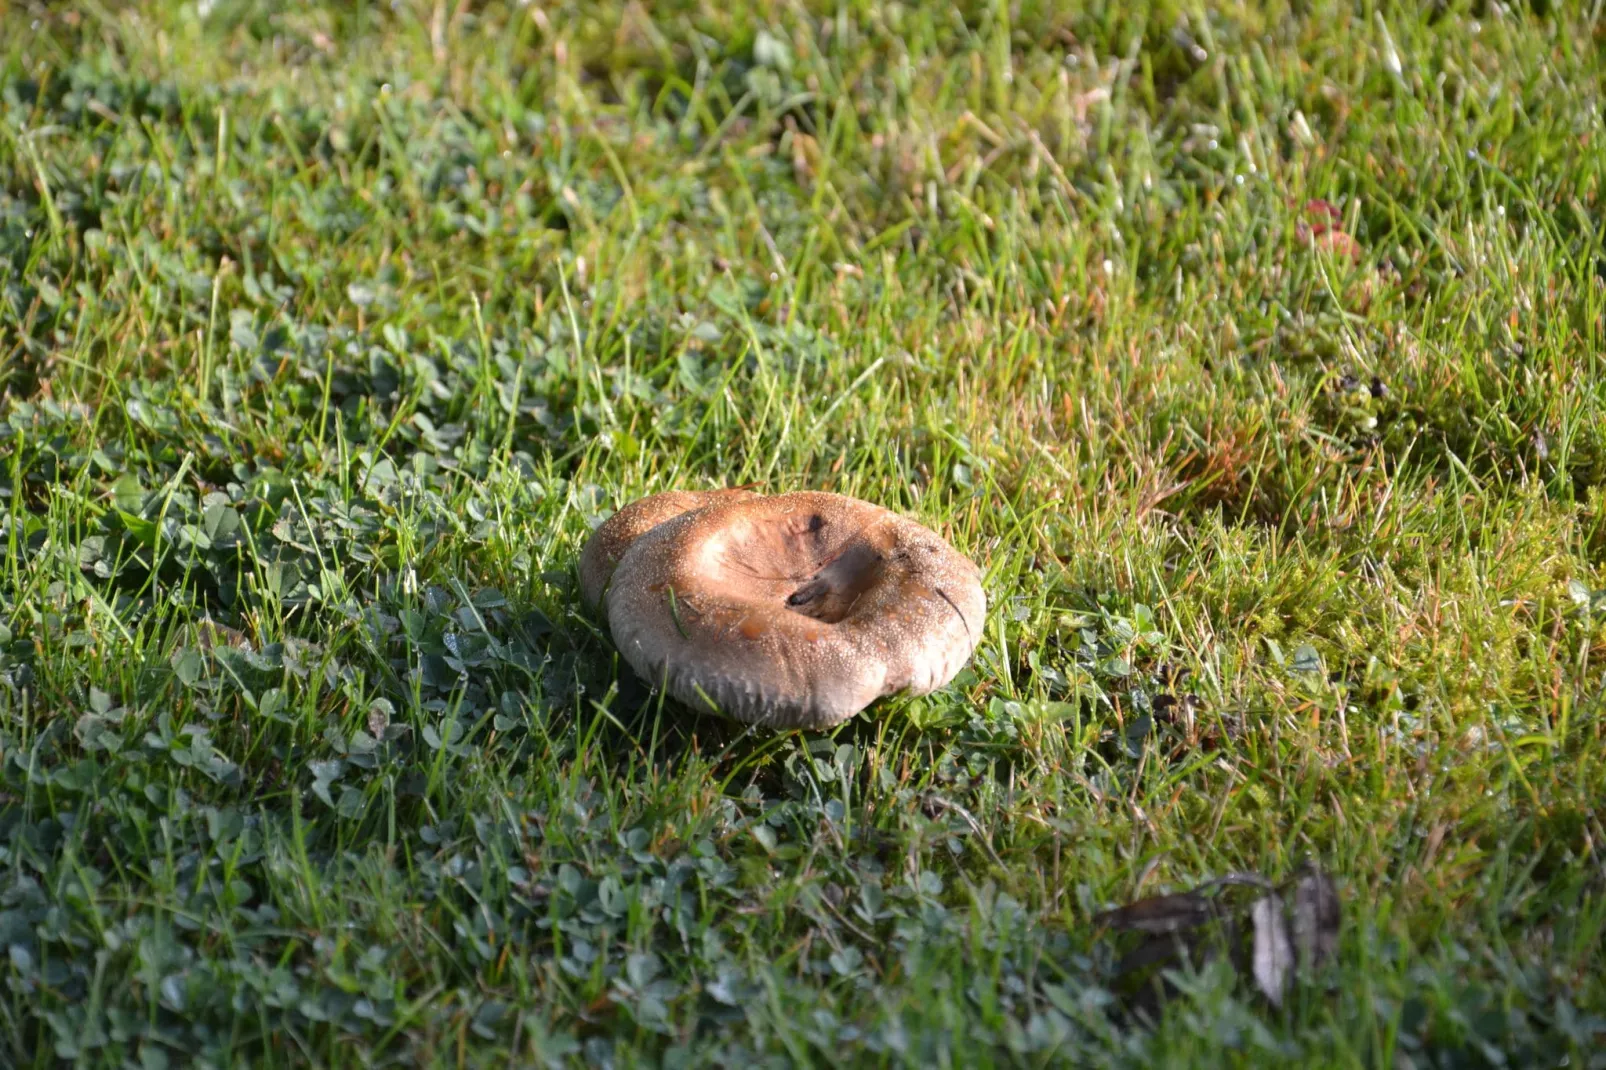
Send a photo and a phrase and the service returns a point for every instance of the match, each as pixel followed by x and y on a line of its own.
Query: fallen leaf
pixel 1316 918
pixel 1159 914
pixel 1268 937
pixel 380 712
pixel 209 634
pixel 1272 961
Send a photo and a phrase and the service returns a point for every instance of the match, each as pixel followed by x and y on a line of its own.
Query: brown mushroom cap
pixel 793 611
pixel 609 542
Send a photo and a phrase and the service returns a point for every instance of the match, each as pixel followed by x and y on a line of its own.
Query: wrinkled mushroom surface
pixel 796 610
pixel 609 542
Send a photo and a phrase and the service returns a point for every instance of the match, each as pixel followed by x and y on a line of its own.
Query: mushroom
pixel 796 610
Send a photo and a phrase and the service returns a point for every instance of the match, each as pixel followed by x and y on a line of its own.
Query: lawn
pixel 1253 350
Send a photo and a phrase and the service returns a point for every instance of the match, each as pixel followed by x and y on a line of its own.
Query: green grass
pixel 327 335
